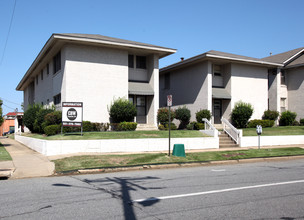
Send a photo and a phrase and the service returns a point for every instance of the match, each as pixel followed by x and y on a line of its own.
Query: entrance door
pixel 217 111
pixel 140 102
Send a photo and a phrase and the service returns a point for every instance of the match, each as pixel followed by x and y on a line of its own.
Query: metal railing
pixel 231 130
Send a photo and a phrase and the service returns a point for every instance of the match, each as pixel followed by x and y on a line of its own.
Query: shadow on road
pixel 125 184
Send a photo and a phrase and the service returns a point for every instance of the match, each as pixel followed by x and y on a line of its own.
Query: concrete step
pixel 228 145
pixel 146 127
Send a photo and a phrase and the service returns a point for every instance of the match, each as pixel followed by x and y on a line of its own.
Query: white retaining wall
pixel 57 147
pixel 252 141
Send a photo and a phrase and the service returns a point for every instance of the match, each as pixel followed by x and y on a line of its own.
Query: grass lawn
pixel 121 135
pixel 103 161
pixel 3 154
pixel 275 131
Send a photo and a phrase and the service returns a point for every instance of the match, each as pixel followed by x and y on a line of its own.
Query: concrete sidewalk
pixel 26 162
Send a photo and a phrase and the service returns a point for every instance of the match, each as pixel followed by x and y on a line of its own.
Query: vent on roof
pixel 182 58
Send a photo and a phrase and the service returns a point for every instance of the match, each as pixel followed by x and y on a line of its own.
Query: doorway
pixel 217 110
pixel 140 103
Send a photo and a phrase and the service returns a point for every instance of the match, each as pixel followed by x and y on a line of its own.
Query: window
pixel 141 62
pixel 283 77
pixel 47 69
pixel 167 81
pixel 57 62
pixel 283 104
pixel 57 99
pixel 41 74
pixel 217 70
pixel 131 61
pixel 37 80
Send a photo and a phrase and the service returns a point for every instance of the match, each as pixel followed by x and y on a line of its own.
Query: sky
pixel 245 27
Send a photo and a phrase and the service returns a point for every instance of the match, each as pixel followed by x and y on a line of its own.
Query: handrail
pixel 210 126
pixel 231 130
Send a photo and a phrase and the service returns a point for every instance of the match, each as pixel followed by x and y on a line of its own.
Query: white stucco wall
pixel 295 85
pixel 95 76
pixel 250 84
pixel 190 86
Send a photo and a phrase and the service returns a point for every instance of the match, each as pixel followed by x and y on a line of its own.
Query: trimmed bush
pixel 191 125
pixel 30 116
pixel 127 126
pixel 163 115
pixel 287 118
pixel 53 118
pixel 302 121
pixel 87 126
pixel 263 123
pixel 183 115
pixel 295 123
pixel 204 113
pixel 38 124
pixel 114 126
pixel 270 115
pixel 161 127
pixel 172 127
pixel 199 126
pixel 122 110
pixel 52 130
pixel 241 114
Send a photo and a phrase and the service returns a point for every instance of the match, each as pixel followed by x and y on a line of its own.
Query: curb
pixel 176 165
pixel 6 173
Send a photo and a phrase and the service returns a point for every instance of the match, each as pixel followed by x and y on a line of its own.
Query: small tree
pixel 38 128
pixel 163 115
pixel 203 113
pixel 241 114
pixel 287 118
pixel 1 118
pixel 183 115
pixel 122 110
pixel 29 116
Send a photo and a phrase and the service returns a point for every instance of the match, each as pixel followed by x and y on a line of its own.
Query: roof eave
pixel 292 57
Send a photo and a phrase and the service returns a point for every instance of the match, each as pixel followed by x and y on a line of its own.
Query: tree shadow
pixel 126 184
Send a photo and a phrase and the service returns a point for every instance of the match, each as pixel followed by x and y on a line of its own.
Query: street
pixel 266 190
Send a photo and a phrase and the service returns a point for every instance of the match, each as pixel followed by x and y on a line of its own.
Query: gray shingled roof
pixel 110 39
pixel 230 55
pixel 282 57
pixel 298 61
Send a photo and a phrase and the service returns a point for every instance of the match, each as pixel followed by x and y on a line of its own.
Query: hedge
pixel 263 123
pixel 52 130
pixel 127 126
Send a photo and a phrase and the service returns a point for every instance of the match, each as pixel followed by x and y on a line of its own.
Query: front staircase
pixel 226 141
pixel 146 127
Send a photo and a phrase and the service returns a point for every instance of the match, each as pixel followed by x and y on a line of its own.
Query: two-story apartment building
pixel 95 70
pixel 216 81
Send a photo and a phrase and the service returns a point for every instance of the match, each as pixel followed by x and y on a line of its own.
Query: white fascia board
pixel 167 50
pixel 294 56
pixel 244 60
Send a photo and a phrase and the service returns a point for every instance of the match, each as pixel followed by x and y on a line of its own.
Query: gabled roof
pixel 222 56
pixel 286 57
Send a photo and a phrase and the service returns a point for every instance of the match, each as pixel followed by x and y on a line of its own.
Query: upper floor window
pixel 141 62
pixel 217 70
pixel 37 80
pixel 47 69
pixel 131 61
pixel 41 74
pixel 217 80
pixel 283 77
pixel 57 62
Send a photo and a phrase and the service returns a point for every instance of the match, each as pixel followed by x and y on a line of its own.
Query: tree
pixel 122 110
pixel 1 118
pixel 241 114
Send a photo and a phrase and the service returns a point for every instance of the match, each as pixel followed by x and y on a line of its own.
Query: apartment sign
pixel 72 114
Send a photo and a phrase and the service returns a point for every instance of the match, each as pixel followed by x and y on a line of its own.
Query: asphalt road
pixel 272 190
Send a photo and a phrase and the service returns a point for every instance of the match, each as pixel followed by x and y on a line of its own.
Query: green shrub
pixel 161 127
pixel 53 118
pixel 287 118
pixel 38 127
pixel 122 110
pixel 204 113
pixel 87 126
pixel 127 126
pixel 270 115
pixel 172 126
pixel 52 130
pixel 30 116
pixel 295 123
pixel 302 121
pixel 191 125
pixel 183 115
pixel 163 115
pixel 114 126
pixel 263 123
pixel 199 126
pixel 241 114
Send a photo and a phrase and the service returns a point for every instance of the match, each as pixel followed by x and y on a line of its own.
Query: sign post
pixel 72 114
pixel 259 132
pixel 169 104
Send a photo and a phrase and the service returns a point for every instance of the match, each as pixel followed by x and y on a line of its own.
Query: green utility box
pixel 179 150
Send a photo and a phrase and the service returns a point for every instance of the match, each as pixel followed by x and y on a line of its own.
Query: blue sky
pixel 245 27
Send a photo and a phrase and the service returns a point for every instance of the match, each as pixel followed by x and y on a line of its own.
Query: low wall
pixel 252 141
pixel 57 147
